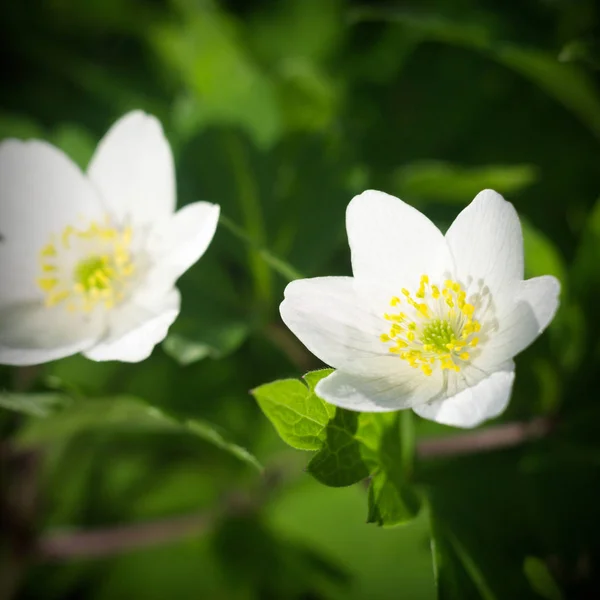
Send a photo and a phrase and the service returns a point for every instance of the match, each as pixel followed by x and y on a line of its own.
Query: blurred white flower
pixel 428 322
pixel 88 262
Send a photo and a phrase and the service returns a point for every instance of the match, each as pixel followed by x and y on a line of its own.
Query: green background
pixel 280 112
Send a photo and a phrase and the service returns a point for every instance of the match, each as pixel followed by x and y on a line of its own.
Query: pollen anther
pixel 433 333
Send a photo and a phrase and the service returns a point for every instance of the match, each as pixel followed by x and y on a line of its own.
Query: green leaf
pixel 122 412
pixel 541 579
pixel 391 502
pixel 350 445
pixel 306 422
pixel 35 405
pixel 206 45
pixel 445 182
pixel 339 463
pixel 296 412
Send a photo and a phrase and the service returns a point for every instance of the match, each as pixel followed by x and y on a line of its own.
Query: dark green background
pixel 281 112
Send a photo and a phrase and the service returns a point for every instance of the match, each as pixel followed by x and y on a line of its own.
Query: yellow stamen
pixel 434 335
pixel 102 268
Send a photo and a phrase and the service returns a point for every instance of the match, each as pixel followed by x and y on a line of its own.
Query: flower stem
pixel 249 202
pixel 278 265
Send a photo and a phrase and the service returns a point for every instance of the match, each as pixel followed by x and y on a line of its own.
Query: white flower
pixel 88 262
pixel 427 322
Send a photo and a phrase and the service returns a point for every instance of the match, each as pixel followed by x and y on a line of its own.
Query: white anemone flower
pixel 428 322
pixel 88 262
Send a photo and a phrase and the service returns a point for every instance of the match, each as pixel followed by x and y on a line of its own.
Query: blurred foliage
pixel 280 112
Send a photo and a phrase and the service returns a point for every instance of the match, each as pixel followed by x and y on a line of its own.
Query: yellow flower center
pixel 436 327
pixel 86 268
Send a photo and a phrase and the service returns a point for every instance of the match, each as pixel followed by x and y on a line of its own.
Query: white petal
pixel 32 334
pixel 41 192
pixel 487 243
pixel 396 390
pixel 535 304
pixel 392 242
pixel 133 170
pixel 183 241
pixel 327 315
pixel 136 329
pixel 542 295
pixel 472 406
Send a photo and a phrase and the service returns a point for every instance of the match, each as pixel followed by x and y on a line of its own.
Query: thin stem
pixel 492 438
pixel 278 265
pixel 115 540
pixel 249 202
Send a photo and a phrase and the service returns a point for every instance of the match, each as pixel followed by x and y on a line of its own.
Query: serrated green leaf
pixel 35 405
pixel 339 463
pixel 350 445
pixel 541 579
pixel 298 415
pixel 122 412
pixel 444 182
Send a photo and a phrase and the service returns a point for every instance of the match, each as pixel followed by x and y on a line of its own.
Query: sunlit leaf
pixel 350 445
pixel 296 412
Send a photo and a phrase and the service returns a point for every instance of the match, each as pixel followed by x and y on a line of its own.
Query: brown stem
pixel 114 540
pixel 485 440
